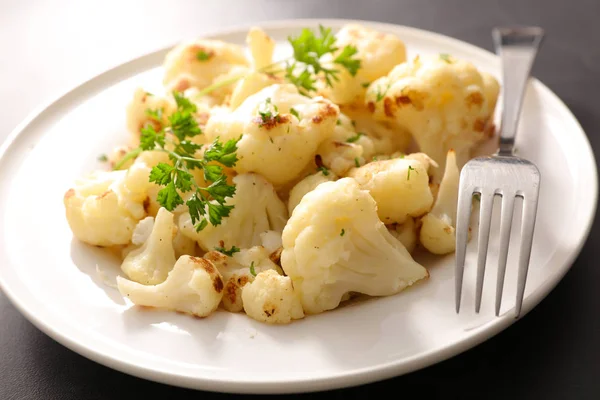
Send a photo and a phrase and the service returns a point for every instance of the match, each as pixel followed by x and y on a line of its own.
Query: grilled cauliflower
pixel 256 209
pixel 194 286
pixel 306 185
pixel 201 63
pixel 406 233
pixel 378 53
pixel 345 149
pixel 437 229
pixel 400 187
pixel 270 298
pixel 95 212
pixel 334 243
pixel 137 117
pixel 386 136
pixel 238 270
pixel 276 143
pixel 445 103
pixel 150 264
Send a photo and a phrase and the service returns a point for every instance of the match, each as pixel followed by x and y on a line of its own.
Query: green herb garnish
pixel 355 137
pixel 207 204
pixel 343 232
pixel 202 55
pixel 410 168
pixel 103 158
pixel 356 163
pixel 446 57
pixel 324 170
pixel 294 113
pixel 252 270
pixel 229 252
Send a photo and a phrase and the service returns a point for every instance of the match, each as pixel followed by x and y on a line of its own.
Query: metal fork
pixel 502 174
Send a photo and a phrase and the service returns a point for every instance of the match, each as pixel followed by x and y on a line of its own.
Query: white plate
pixel 53 280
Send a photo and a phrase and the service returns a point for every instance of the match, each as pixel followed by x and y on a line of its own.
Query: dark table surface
pixel 552 353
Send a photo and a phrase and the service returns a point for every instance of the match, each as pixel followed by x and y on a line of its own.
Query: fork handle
pixel 517 48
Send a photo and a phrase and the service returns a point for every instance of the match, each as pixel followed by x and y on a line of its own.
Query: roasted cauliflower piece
pixel 378 53
pixel 138 117
pixel 281 131
pixel 150 263
pixel 400 186
pixel 346 148
pixel 95 211
pixel 444 102
pixel 334 243
pixel 406 233
pixel 194 286
pixel 202 62
pixel 270 298
pixel 257 209
pixel 438 226
pixel 238 270
pixel 306 185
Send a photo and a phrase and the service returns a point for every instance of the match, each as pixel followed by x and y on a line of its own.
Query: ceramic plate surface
pixel 54 281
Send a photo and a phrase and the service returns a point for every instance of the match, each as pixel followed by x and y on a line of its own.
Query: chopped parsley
pixel 355 137
pixel 343 232
pixel 324 170
pixel 365 84
pixel 268 112
pixel 294 113
pixel 103 158
pixel 356 163
pixel 252 270
pixel 381 94
pixel 446 57
pixel 229 252
pixel 202 55
pixel 410 168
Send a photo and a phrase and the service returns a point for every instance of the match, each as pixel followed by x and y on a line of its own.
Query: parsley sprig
pixel 306 64
pixel 207 203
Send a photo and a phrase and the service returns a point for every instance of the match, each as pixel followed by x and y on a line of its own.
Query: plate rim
pixel 349 378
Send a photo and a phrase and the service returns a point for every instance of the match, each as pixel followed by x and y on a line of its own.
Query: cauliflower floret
pixel 95 213
pixel 400 187
pixel 386 137
pixel 437 229
pixel 150 264
pixel 275 143
pixel 237 271
pixel 406 233
pixel 334 243
pixel 306 185
pixel 262 47
pixel 378 53
pixel 256 209
pixel 135 188
pixel 270 298
pixel 194 286
pixel 202 62
pixel 445 103
pixel 271 240
pixel 253 83
pixel 137 117
pixel 346 148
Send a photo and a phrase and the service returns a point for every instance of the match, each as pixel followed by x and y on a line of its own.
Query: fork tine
pixel 485 219
pixel 527 226
pixel 508 204
pixel 463 213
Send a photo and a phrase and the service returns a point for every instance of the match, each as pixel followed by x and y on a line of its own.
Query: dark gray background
pixel 552 353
